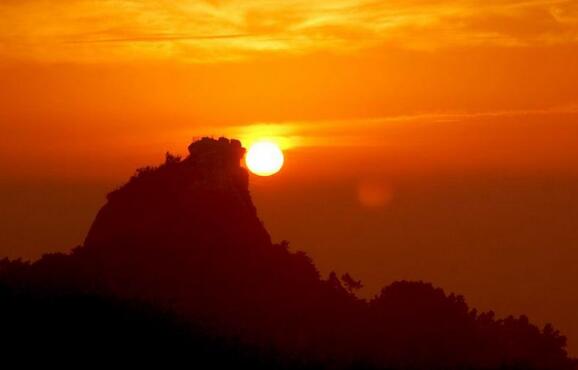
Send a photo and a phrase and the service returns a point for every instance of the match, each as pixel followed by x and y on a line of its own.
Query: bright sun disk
pixel 264 158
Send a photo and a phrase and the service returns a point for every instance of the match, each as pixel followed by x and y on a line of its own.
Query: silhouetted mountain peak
pixel 202 199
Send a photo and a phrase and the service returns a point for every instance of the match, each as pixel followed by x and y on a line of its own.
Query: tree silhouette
pixel 351 284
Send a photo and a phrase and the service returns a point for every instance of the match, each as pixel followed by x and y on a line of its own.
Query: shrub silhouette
pixel 350 283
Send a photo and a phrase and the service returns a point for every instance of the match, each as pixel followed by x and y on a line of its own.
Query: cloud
pixel 159 38
pixel 223 30
pixel 380 131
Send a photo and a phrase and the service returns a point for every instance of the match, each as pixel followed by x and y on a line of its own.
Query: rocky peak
pixel 218 154
pixel 201 199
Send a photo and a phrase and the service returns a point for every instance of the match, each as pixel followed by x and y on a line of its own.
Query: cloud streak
pixel 158 38
pixel 212 31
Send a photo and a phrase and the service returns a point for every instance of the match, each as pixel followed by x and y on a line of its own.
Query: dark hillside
pixel 184 240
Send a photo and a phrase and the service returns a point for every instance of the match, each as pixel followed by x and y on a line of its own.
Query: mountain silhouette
pixel 179 253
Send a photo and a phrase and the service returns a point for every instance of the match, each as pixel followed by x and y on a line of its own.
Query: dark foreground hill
pixel 178 265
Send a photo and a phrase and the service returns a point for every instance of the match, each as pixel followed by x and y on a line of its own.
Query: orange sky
pixel 210 31
pixel 440 137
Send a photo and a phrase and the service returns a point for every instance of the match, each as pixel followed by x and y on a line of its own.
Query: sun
pixel 264 158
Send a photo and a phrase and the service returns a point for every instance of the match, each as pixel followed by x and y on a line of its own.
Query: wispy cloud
pixel 222 30
pixel 156 38
pixel 380 131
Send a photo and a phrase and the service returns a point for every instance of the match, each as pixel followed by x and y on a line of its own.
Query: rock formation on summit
pixel 203 199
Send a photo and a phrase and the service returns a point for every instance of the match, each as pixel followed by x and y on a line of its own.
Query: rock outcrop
pixel 200 200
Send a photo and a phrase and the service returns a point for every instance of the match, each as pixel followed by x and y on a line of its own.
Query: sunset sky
pixel 427 140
